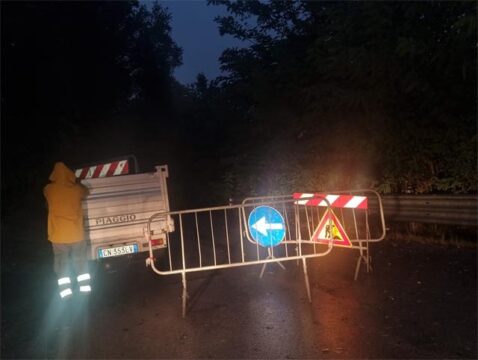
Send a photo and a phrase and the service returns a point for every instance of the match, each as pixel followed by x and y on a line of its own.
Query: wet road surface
pixel 420 302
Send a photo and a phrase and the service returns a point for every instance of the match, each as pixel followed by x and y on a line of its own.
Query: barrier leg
pixel 270 256
pixel 369 260
pixel 262 271
pixel 357 267
pixel 306 276
pixel 185 294
pixel 359 261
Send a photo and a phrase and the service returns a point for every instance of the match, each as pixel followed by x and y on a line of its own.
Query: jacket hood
pixel 62 174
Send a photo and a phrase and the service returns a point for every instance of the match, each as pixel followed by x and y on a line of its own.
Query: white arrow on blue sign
pixel 266 226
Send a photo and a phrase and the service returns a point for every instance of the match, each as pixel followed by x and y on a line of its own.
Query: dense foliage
pixel 323 95
pixel 353 94
pixel 81 82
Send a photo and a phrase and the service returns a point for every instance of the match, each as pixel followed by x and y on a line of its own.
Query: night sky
pixel 194 30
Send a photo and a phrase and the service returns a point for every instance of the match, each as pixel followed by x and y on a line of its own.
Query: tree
pixel 152 57
pixel 70 70
pixel 370 85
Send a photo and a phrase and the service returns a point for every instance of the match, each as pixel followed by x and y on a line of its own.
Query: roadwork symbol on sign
pixel 266 226
pixel 330 227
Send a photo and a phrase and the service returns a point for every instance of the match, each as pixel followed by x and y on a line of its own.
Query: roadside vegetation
pixel 323 95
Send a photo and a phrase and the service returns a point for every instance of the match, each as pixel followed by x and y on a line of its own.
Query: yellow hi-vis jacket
pixel 65 215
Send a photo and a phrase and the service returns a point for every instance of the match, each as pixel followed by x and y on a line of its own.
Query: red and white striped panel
pixel 103 170
pixel 338 201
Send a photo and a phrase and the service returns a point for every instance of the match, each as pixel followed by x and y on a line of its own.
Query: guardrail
pixel 435 209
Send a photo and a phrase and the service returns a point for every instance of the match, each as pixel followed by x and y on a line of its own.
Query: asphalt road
pixel 419 302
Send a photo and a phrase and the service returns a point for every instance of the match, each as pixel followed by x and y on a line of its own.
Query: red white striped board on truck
pixel 337 201
pixel 113 168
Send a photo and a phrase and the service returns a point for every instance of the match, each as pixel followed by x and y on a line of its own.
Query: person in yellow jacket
pixel 66 230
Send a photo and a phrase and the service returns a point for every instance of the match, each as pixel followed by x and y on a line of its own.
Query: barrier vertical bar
pixel 367 229
pixel 361 256
pixel 227 237
pixel 212 236
pixel 297 228
pixel 182 241
pixel 169 253
pixel 198 237
pixel 313 225
pixel 241 234
pixel 185 293
pixel 307 220
pixel 287 228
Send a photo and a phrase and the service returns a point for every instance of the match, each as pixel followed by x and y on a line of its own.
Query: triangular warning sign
pixel 330 227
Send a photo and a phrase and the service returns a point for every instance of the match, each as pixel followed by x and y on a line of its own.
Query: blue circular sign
pixel 266 226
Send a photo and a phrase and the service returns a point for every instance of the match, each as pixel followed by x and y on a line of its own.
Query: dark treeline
pixel 340 95
pixel 83 82
pixel 324 95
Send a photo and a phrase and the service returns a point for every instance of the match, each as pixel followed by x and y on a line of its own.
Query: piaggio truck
pixel 118 206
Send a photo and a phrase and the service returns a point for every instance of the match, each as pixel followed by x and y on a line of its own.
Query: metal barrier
pixel 355 226
pixel 264 230
pixel 221 237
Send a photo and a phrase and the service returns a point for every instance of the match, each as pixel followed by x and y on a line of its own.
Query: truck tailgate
pixel 117 209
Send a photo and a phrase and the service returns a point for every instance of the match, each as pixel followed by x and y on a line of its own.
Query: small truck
pixel 119 205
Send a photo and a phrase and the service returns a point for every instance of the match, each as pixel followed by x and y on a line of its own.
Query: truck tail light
pixel 154 242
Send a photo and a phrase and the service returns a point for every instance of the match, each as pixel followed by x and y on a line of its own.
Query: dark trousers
pixel 66 257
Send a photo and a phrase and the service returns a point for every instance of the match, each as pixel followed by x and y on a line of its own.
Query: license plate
pixel 118 251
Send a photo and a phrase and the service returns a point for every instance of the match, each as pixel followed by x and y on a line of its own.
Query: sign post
pixel 267 227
